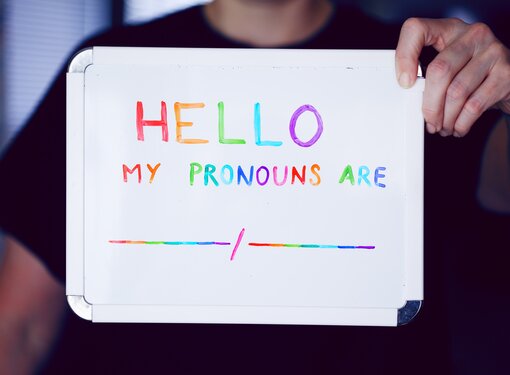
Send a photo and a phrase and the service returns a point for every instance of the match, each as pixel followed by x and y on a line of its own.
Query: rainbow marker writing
pixel 259 244
pixel 317 246
pixel 256 244
pixel 172 243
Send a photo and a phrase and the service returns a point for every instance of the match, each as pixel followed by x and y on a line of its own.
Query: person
pixel 469 75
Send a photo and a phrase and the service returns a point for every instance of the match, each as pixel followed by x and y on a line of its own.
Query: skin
pixel 31 309
pixel 470 74
pixel 268 23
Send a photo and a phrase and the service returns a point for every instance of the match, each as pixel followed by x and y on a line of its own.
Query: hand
pixel 470 74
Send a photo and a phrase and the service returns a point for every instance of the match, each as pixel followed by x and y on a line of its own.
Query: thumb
pixel 415 34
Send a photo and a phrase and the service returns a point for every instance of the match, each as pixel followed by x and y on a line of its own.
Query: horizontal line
pixel 171 243
pixel 257 244
pixel 314 246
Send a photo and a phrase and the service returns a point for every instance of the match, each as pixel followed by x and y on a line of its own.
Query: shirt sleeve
pixel 33 169
pixel 33 193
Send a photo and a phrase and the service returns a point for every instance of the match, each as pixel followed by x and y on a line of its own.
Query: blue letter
pixel 378 175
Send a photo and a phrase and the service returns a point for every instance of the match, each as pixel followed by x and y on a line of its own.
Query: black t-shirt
pixel 33 211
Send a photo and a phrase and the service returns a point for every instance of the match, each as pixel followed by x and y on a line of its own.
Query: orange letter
pixel 180 124
pixel 315 170
pixel 153 171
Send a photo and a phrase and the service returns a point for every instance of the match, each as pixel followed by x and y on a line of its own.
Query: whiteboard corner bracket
pixel 81 60
pixel 408 312
pixel 80 307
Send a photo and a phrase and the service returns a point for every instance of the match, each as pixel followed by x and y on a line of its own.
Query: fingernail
pixel 431 128
pixel 405 80
pixel 456 134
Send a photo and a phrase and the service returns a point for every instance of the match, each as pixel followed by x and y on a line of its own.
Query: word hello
pixel 180 125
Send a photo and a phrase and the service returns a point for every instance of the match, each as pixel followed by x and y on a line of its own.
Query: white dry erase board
pixel 243 186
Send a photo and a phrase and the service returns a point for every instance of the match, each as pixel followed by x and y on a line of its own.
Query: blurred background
pixel 38 36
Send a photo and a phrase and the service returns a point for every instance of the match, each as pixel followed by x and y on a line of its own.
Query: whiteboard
pixel 243 186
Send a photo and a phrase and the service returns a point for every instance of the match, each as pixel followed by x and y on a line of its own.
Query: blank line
pixel 316 246
pixel 171 243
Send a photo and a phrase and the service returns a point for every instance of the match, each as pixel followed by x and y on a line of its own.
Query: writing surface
pixel 248 179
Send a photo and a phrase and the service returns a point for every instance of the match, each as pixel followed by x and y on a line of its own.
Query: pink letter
pixel 140 122
pixel 126 170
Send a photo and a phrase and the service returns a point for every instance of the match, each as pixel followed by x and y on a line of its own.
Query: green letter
pixel 347 174
pixel 194 168
pixel 221 128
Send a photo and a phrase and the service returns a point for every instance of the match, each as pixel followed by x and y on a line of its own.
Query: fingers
pixel 458 78
pixel 441 73
pixel 415 34
pixel 410 44
pixel 460 89
pixel 479 101
pixel 470 74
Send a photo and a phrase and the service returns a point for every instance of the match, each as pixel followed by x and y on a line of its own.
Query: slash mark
pixel 239 238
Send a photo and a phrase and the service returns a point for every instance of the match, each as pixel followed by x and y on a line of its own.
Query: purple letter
pixel 292 125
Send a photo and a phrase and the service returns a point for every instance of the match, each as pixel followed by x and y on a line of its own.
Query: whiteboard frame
pixel 231 314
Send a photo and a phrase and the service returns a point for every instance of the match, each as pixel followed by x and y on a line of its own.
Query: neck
pixel 268 23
